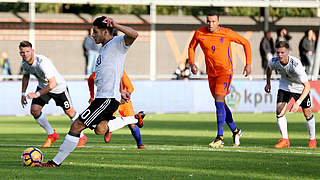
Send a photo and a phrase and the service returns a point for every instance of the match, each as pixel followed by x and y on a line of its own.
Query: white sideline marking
pixel 243 149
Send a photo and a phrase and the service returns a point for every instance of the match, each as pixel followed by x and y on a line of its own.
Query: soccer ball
pixel 32 157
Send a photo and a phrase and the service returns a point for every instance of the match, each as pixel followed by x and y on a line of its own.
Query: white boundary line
pixel 255 149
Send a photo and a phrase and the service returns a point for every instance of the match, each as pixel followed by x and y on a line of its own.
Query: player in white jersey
pixel 109 69
pixel 51 85
pixel 293 83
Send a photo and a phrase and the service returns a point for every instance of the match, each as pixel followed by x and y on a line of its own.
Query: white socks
pixel 44 123
pixel 282 124
pixel 120 122
pixel 311 125
pixel 68 145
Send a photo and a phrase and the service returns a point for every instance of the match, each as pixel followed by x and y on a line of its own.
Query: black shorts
pixel 63 99
pixel 100 109
pixel 285 96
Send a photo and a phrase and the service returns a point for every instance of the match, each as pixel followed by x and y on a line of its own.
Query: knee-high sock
pixel 44 123
pixel 311 125
pixel 136 134
pixel 69 144
pixel 221 117
pixel 282 124
pixel 229 119
pixel 75 116
pixel 120 122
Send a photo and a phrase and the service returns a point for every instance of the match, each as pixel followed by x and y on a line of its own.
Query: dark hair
pixel 101 25
pixel 213 13
pixel 266 32
pixel 282 44
pixel 25 44
pixel 115 32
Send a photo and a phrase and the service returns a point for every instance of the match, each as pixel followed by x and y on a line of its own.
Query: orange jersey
pixel 91 84
pixel 125 82
pixel 217 49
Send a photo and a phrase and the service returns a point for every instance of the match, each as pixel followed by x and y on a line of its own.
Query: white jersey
pixel 109 68
pixel 43 69
pixel 293 74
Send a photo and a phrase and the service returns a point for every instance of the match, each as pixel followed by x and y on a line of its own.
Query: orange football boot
pixel 312 143
pixel 82 141
pixel 140 117
pixel 51 138
pixel 282 143
pixel 107 137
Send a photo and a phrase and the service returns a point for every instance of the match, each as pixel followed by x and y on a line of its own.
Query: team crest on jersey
pixel 221 39
pixel 99 60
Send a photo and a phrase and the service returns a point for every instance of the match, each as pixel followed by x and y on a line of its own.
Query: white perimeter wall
pixel 154 97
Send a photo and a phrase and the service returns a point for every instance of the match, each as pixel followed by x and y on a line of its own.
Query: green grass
pixel 176 149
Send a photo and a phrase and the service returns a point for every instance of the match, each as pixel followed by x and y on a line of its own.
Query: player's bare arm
pixel 51 85
pixel 247 70
pixel 304 94
pixel 130 34
pixel 267 88
pixel 194 68
pixel 25 82
pixel 125 96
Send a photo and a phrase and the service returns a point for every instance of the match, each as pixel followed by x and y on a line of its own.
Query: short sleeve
pixel 24 69
pixel 271 63
pixel 47 67
pixel 122 43
pixel 302 75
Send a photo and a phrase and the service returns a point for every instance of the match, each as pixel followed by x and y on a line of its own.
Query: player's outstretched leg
pixel 69 144
pixel 120 122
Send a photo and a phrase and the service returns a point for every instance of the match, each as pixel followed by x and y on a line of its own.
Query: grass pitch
pixel 176 148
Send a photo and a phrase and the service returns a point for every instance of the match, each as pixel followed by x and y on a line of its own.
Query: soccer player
pixel 293 83
pixel 51 85
pixel 125 108
pixel 108 73
pixel 215 42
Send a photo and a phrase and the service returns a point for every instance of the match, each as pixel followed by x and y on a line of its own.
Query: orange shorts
pixel 125 110
pixel 220 84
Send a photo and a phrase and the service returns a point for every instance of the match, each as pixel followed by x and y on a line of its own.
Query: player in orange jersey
pixel 215 42
pixel 125 108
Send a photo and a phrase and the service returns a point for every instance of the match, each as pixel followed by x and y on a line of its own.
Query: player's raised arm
pixel 130 34
pixel 191 53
